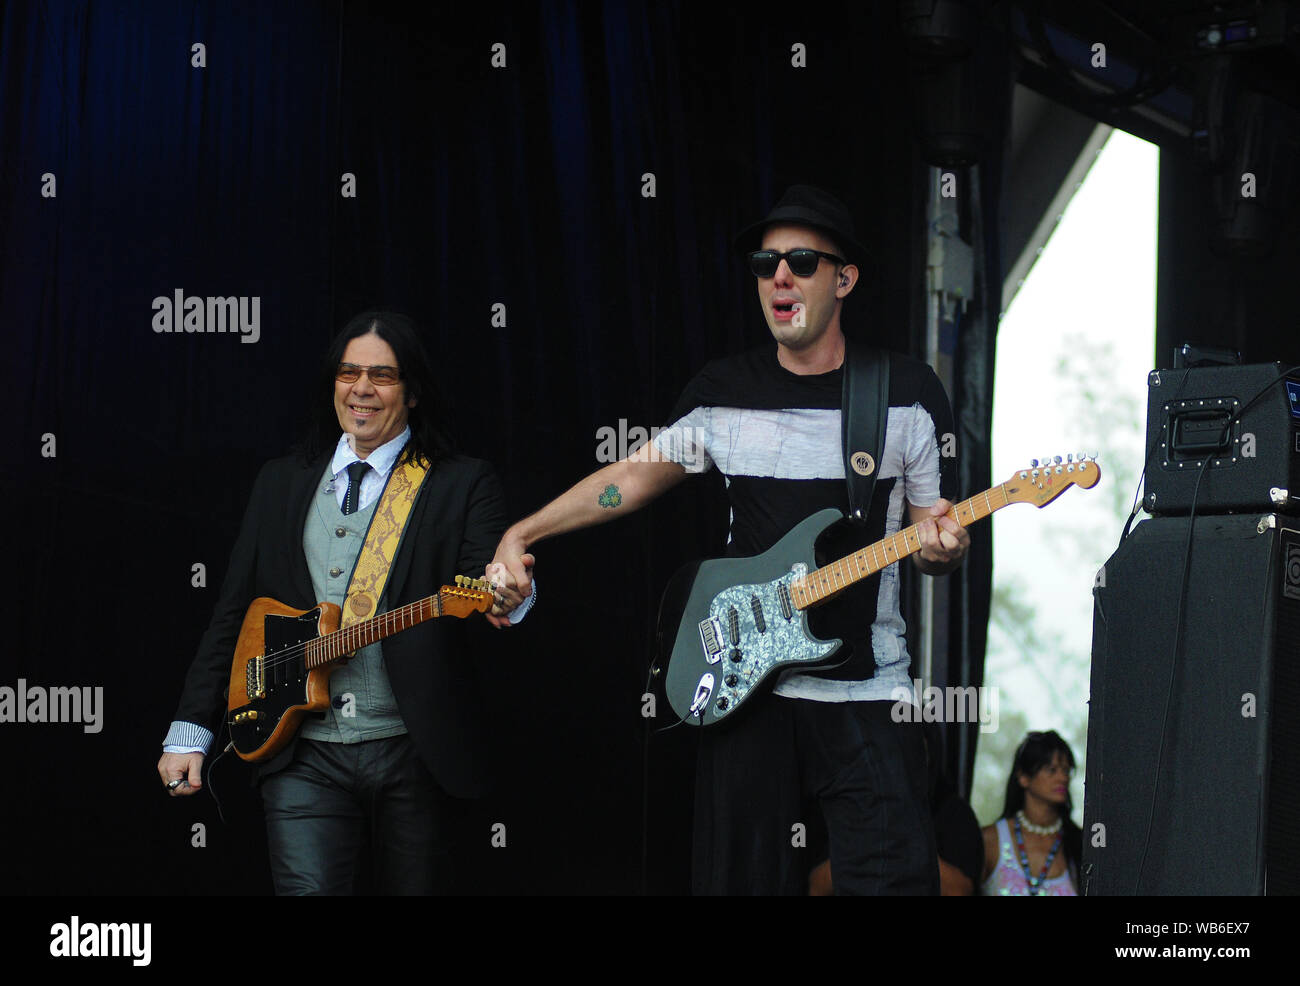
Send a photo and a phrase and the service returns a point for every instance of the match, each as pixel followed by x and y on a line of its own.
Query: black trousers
pixel 335 800
pixel 866 773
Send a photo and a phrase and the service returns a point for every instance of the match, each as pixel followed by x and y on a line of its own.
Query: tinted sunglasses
pixel 381 376
pixel 803 262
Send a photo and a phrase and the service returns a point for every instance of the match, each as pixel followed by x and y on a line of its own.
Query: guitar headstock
pixel 1041 483
pixel 466 596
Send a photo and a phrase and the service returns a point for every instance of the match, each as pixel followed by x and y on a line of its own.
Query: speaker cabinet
pixel 1218 811
pixel 1188 421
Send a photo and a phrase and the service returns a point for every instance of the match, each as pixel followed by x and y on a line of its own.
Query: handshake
pixel 511 575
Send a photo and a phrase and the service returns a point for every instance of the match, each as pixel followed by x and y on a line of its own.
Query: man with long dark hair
pixel 402 739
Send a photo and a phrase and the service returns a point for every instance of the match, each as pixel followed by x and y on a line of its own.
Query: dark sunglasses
pixel 803 262
pixel 380 376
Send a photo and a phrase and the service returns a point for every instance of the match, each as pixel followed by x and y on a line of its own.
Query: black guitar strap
pixel 864 414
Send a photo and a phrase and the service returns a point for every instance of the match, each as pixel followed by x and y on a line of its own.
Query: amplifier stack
pixel 1193 771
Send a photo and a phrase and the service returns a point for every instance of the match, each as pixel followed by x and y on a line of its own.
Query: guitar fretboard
pixel 352 638
pixel 829 580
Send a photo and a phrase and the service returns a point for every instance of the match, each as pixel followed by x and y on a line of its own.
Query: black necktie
pixel 353 496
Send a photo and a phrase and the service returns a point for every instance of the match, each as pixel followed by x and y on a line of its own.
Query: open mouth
pixel 785 309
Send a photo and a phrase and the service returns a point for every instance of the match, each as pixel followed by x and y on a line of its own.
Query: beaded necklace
pixel 1029 826
pixel 1035 882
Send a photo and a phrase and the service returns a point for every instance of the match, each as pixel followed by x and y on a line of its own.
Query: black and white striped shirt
pixel 775 436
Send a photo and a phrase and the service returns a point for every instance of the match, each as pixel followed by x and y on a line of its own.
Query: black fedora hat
pixel 807 205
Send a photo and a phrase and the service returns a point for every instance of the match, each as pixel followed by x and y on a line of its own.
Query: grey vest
pixel 363 706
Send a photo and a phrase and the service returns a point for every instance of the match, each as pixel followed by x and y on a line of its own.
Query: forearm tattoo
pixel 611 497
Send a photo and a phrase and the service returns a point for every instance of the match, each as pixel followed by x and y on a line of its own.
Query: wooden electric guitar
pixel 732 622
pixel 284 658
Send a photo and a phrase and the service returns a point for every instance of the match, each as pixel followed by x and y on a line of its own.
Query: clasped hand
pixel 511 576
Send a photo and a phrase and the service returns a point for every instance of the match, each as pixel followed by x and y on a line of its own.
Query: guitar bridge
pixel 254 678
pixel 711 638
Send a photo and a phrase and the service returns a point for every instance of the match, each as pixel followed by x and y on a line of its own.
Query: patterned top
pixel 1008 879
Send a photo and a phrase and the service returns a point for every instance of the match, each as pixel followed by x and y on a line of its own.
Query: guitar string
pixel 292 652
pixel 807 579
pixel 295 651
pixel 968 503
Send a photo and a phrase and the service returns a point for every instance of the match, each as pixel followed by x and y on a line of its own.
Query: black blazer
pixel 454 527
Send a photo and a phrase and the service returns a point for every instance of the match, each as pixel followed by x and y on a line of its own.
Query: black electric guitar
pixel 732 622
pixel 284 658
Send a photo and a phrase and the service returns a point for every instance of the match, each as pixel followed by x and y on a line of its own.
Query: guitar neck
pixel 350 639
pixel 830 580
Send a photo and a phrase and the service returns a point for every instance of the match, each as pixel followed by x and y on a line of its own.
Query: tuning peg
pixel 1058 460
pixel 1033 463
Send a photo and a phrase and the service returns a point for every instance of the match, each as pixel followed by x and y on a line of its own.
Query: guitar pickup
pixel 783 597
pixel 757 607
pixel 733 626
pixel 711 638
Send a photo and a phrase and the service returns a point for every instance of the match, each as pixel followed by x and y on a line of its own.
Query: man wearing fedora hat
pixel 770 420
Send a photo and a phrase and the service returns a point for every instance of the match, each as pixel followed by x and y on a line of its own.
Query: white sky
pixel 1083 323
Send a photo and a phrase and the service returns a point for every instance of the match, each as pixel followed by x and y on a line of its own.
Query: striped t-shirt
pixel 775 436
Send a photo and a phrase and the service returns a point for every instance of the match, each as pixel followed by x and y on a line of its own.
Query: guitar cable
pixel 1137 503
pixel 212 788
pixel 652 672
pixel 649 684
pixel 1146 464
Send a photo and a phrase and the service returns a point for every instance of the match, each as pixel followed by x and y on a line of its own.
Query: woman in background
pixel 1034 848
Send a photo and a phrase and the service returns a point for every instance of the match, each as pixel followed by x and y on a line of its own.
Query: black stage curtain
pixel 1204 293
pixel 590 186
pixel 991 72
